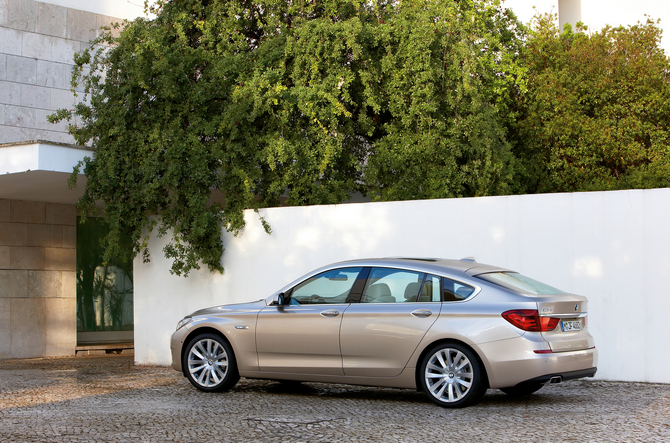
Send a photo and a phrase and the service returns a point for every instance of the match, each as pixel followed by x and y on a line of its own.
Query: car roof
pixel 435 265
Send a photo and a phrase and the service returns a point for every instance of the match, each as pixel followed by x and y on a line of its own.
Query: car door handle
pixel 422 313
pixel 330 313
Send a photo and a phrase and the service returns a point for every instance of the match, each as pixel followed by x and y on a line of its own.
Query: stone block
pixel 58 137
pixel 45 235
pixel 62 98
pixel 69 281
pixel 69 237
pixel 5 328
pixel 13 234
pixel 62 50
pixel 19 116
pixel 21 69
pixel 42 123
pixel 36 46
pixel 51 19
pixel 80 88
pixel 103 20
pixel 59 259
pixel 53 75
pixel 22 15
pixel 4 210
pixel 3 66
pixel 4 257
pixel 29 135
pixel 13 284
pixel 28 325
pixel 4 19
pixel 11 41
pixel 10 93
pixel 35 97
pixel 60 327
pixel 60 214
pixel 23 211
pixel 45 284
pixel 81 25
pixel 25 257
pixel 10 134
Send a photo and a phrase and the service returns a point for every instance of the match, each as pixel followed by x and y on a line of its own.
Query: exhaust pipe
pixel 555 379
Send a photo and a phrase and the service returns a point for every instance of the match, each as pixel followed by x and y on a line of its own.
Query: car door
pixel 380 333
pixel 303 335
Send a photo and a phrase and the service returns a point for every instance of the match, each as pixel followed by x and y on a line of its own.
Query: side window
pixel 430 291
pixel 455 291
pixel 392 286
pixel 329 287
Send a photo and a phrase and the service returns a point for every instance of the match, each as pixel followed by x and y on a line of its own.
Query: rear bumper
pixel 510 362
pixel 564 376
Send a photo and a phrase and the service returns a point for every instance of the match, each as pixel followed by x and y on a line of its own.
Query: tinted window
pixel 392 286
pixel 326 288
pixel 520 283
pixel 456 291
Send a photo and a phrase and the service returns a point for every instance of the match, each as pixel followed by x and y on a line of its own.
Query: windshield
pixel 518 282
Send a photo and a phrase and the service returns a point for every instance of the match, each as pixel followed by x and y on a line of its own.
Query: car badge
pixel 577 307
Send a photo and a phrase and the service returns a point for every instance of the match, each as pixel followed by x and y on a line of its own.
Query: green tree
pixel 442 98
pixel 597 111
pixel 214 107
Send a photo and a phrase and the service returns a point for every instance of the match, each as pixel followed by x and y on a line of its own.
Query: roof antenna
pixel 470 259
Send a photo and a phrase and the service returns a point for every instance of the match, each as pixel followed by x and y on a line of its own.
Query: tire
pixel 451 376
pixel 209 363
pixel 522 389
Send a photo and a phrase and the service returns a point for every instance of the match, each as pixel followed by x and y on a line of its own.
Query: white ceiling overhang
pixel 39 171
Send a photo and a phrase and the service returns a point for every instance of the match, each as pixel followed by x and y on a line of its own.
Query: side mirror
pixel 278 300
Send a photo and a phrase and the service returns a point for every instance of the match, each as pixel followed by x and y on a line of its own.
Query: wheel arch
pixel 194 333
pixel 430 346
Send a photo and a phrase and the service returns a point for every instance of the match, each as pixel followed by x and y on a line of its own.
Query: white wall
pixel 613 247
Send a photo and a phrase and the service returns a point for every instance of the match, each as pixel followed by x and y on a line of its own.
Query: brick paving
pixel 109 399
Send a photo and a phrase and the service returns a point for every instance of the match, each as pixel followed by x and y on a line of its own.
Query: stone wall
pixel 37 279
pixel 37 44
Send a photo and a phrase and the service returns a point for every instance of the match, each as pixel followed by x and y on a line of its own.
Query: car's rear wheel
pixel 522 389
pixel 209 363
pixel 451 376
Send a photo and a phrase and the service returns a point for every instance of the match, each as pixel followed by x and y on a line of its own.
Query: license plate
pixel 571 325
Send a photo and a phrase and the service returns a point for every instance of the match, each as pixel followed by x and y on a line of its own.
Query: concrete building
pixel 45 307
pixel 38 232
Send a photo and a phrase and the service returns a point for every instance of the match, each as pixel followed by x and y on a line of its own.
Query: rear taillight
pixel 529 320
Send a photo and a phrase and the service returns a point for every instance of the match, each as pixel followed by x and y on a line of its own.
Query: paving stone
pixel 108 399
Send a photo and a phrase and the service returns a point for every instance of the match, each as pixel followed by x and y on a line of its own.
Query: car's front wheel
pixel 210 364
pixel 451 376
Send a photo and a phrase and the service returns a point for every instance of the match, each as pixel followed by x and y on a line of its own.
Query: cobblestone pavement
pixel 108 399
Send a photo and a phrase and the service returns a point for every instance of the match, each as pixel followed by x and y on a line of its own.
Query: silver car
pixel 452 328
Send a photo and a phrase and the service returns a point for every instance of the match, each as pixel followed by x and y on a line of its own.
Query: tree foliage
pixel 291 102
pixel 597 111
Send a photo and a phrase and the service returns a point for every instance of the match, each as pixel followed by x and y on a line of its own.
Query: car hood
pixel 231 309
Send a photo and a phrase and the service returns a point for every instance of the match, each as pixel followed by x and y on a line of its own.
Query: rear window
pixel 520 283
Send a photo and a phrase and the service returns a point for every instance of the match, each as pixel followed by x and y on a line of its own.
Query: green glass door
pixel 104 290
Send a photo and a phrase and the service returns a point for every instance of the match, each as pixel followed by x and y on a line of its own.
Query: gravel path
pixel 108 399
